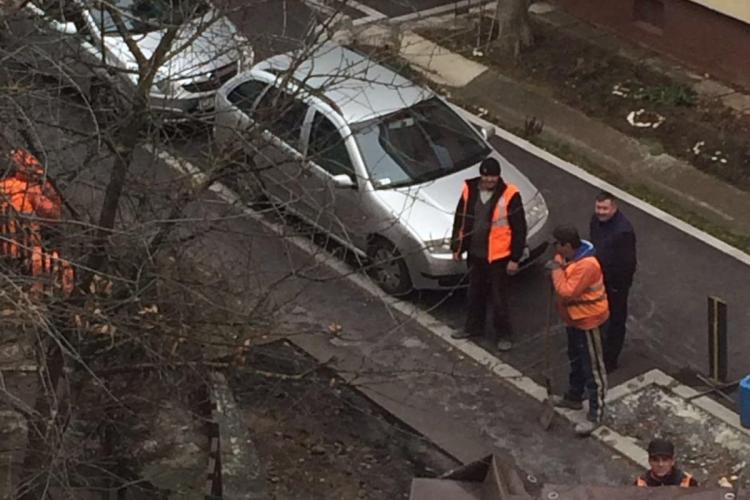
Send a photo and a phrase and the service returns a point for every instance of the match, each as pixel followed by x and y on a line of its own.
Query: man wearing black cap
pixel 490 225
pixel 662 471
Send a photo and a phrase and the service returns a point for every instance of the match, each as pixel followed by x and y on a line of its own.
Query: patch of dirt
pixel 630 96
pixel 706 446
pixel 318 438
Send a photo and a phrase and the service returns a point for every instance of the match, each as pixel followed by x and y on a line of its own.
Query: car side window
pixel 282 114
pixel 245 94
pixel 327 147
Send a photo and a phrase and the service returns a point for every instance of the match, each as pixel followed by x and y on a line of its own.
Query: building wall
pixel 701 37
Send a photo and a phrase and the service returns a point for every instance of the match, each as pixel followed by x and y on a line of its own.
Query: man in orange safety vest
pixel 27 201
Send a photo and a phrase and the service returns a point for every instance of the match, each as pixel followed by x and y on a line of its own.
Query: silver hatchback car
pixel 366 156
pixel 208 50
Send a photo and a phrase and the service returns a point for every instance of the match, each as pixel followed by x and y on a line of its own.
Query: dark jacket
pixel 674 478
pixel 516 219
pixel 615 248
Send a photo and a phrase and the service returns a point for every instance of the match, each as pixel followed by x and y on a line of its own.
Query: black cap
pixel 660 448
pixel 489 166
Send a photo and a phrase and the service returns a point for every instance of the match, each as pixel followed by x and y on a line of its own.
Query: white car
pixel 368 157
pixel 206 52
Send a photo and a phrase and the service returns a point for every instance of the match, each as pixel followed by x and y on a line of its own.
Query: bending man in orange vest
pixel 26 197
pixel 490 225
pixel 582 304
pixel 29 188
pixel 662 471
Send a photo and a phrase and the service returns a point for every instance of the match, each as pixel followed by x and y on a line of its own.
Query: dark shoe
pixel 504 345
pixel 610 367
pixel 461 335
pixel 566 402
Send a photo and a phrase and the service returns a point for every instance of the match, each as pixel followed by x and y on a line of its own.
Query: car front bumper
pixel 431 271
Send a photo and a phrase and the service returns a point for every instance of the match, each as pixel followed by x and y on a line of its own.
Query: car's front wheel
pixel 388 268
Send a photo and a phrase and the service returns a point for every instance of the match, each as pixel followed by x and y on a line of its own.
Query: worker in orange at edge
pixel 582 304
pixel 24 196
pixel 662 471
pixel 29 181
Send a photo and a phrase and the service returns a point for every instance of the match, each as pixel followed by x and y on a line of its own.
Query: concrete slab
pixel 737 101
pixel 540 8
pixel 708 447
pixel 712 88
pixel 449 68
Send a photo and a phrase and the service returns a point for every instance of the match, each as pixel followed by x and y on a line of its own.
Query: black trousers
pixel 614 336
pixel 587 371
pixel 488 283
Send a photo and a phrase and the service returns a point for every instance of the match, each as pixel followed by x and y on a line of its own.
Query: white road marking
pixel 576 171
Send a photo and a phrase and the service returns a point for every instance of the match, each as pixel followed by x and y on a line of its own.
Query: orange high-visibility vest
pixel 593 301
pixel 499 239
pixel 684 483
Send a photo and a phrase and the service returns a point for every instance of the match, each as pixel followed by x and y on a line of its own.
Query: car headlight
pixel 441 246
pixel 536 210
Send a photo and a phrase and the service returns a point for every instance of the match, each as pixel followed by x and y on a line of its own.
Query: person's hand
pixel 512 268
pixel 551 265
pixel 457 256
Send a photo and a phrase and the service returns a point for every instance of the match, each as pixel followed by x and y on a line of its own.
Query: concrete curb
pixel 239 469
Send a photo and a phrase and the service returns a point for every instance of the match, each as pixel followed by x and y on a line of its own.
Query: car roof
pixel 358 87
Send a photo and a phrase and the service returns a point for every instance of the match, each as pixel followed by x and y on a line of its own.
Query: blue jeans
pixel 587 372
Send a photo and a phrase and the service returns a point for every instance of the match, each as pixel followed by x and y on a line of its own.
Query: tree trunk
pixel 513 28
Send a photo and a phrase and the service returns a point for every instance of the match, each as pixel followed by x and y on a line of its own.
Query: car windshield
pixel 145 16
pixel 417 144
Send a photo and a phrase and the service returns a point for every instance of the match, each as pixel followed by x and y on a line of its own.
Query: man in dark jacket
pixel 614 240
pixel 490 225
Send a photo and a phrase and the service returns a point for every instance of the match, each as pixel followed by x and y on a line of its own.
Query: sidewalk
pixel 670 182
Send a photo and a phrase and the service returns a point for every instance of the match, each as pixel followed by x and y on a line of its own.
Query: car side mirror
pixel 487 132
pixel 343 181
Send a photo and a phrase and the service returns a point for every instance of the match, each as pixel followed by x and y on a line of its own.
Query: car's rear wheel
pixel 388 268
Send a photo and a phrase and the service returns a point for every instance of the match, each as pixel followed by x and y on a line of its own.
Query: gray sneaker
pixel 564 402
pixel 504 345
pixel 585 429
pixel 461 334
